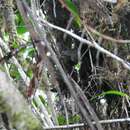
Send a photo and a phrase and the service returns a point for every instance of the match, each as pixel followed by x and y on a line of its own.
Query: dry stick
pixel 54 8
pixel 9 18
pixel 98 52
pixel 38 43
pixel 39 114
pixel 71 88
pixel 68 26
pixel 33 27
pixel 5 65
pixel 33 7
pixel 51 105
pixel 89 43
pixel 43 3
pixel 82 124
pixel 86 102
pixel 68 83
pixel 17 64
pixel 43 110
pixel 105 36
pixel 55 62
pixel 63 103
pixel 79 48
pixel 96 119
pixel 45 84
pixel 24 7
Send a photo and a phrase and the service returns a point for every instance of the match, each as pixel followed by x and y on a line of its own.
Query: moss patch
pixel 26 121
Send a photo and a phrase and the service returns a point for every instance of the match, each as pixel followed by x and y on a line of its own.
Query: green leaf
pixel 42 99
pixel 22 50
pixel 21 30
pixel 15 45
pixel 61 120
pixel 112 92
pixel 31 51
pixel 74 119
pixel 34 103
pixel 20 24
pixel 73 9
pixel 77 66
pixel 14 72
pixel 30 72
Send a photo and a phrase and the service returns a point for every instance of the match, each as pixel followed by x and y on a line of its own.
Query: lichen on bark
pixel 17 109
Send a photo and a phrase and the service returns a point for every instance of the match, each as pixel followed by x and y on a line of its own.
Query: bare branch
pixel 105 36
pixel 89 43
pixel 83 125
pixel 9 19
pixel 15 61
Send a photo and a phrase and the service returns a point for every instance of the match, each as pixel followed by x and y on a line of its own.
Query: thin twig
pixel 15 61
pixel 105 36
pixel 68 83
pixel 54 8
pixel 68 26
pixel 43 3
pixel 82 124
pixel 5 65
pixel 26 12
pixel 92 44
pixel 86 102
pixel 43 110
pixel 80 47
